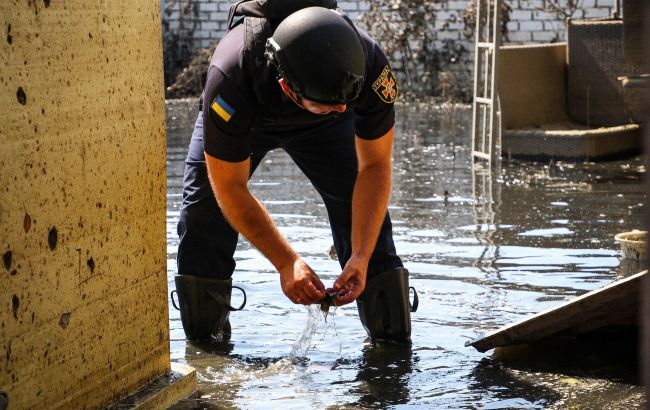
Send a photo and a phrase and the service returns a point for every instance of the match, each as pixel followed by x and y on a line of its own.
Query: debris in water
pixel 329 301
pixel 332 253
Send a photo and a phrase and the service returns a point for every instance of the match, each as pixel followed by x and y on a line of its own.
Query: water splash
pixel 300 348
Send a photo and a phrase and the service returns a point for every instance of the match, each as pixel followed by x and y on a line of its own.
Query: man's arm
pixel 229 181
pixel 369 204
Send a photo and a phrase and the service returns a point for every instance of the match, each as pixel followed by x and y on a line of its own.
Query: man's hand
pixel 301 284
pixel 249 217
pixel 351 282
pixel 369 204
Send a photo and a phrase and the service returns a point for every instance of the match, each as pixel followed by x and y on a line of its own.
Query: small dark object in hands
pixel 329 300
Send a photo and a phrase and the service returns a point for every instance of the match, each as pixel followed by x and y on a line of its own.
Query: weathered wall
pixel 83 307
pixel 205 20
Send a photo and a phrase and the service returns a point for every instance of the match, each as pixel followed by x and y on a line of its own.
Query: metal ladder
pixel 485 129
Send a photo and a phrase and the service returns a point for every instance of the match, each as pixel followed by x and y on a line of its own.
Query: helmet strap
pixel 289 92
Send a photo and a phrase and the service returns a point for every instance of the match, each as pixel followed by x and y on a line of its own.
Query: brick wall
pixel 204 21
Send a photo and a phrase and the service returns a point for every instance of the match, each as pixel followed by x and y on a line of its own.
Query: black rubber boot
pixel 385 309
pixel 205 306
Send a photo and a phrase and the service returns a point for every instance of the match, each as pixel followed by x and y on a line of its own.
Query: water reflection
pixel 508 391
pixel 590 371
pixel 384 375
pixel 537 236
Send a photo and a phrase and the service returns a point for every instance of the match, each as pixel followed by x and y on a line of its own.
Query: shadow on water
pixel 542 234
pixel 564 372
pixel 508 390
pixel 383 376
pixel 604 354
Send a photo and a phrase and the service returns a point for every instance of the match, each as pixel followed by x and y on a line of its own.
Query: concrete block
pixel 207 7
pixel 82 202
pixel 545 36
pixel 209 25
pixel 348 5
pixel 173 24
pixel 520 37
pixel 444 15
pixel 521 15
pixel 531 26
pixel 512 26
pixel 540 15
pixel 224 5
pixel 218 16
pixel 456 26
pixel 202 34
pixel 205 42
pixel 532 4
pixel 215 35
pixel 542 68
pixel 456 5
pixel 448 35
pixel 578 14
pixel 554 25
pixel 598 12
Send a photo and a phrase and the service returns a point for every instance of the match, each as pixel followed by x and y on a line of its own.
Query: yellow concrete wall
pixel 532 85
pixel 83 306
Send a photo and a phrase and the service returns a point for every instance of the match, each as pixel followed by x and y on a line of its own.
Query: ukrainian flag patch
pixel 222 108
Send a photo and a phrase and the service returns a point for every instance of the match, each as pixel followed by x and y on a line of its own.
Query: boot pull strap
pixel 243 303
pixel 220 300
pixel 416 300
pixel 173 301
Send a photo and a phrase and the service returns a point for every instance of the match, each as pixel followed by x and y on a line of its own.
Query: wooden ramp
pixel 613 304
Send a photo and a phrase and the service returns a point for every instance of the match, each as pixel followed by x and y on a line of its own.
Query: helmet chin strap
pixel 300 101
pixel 286 89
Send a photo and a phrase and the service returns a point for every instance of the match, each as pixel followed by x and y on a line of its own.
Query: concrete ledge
pixel 571 141
pixel 163 391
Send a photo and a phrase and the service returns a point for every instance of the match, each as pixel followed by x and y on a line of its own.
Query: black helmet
pixel 320 54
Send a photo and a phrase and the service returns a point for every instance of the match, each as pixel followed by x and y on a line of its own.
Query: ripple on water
pixel 545 235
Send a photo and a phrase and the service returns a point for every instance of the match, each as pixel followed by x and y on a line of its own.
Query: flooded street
pixel 541 235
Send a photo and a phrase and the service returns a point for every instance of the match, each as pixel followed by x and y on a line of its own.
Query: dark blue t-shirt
pixel 235 108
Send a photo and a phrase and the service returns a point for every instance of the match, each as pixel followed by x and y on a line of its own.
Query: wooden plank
pixel 616 303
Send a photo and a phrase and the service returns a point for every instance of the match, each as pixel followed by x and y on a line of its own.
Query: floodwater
pixel 539 236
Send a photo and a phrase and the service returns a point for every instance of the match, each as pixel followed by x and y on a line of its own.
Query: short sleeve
pixel 374 111
pixel 227 119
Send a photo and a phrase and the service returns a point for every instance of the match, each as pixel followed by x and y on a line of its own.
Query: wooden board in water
pixel 613 304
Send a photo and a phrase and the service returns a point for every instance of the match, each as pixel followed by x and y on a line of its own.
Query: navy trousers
pixel 326 155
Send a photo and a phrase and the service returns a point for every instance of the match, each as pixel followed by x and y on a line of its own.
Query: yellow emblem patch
pixel 386 86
